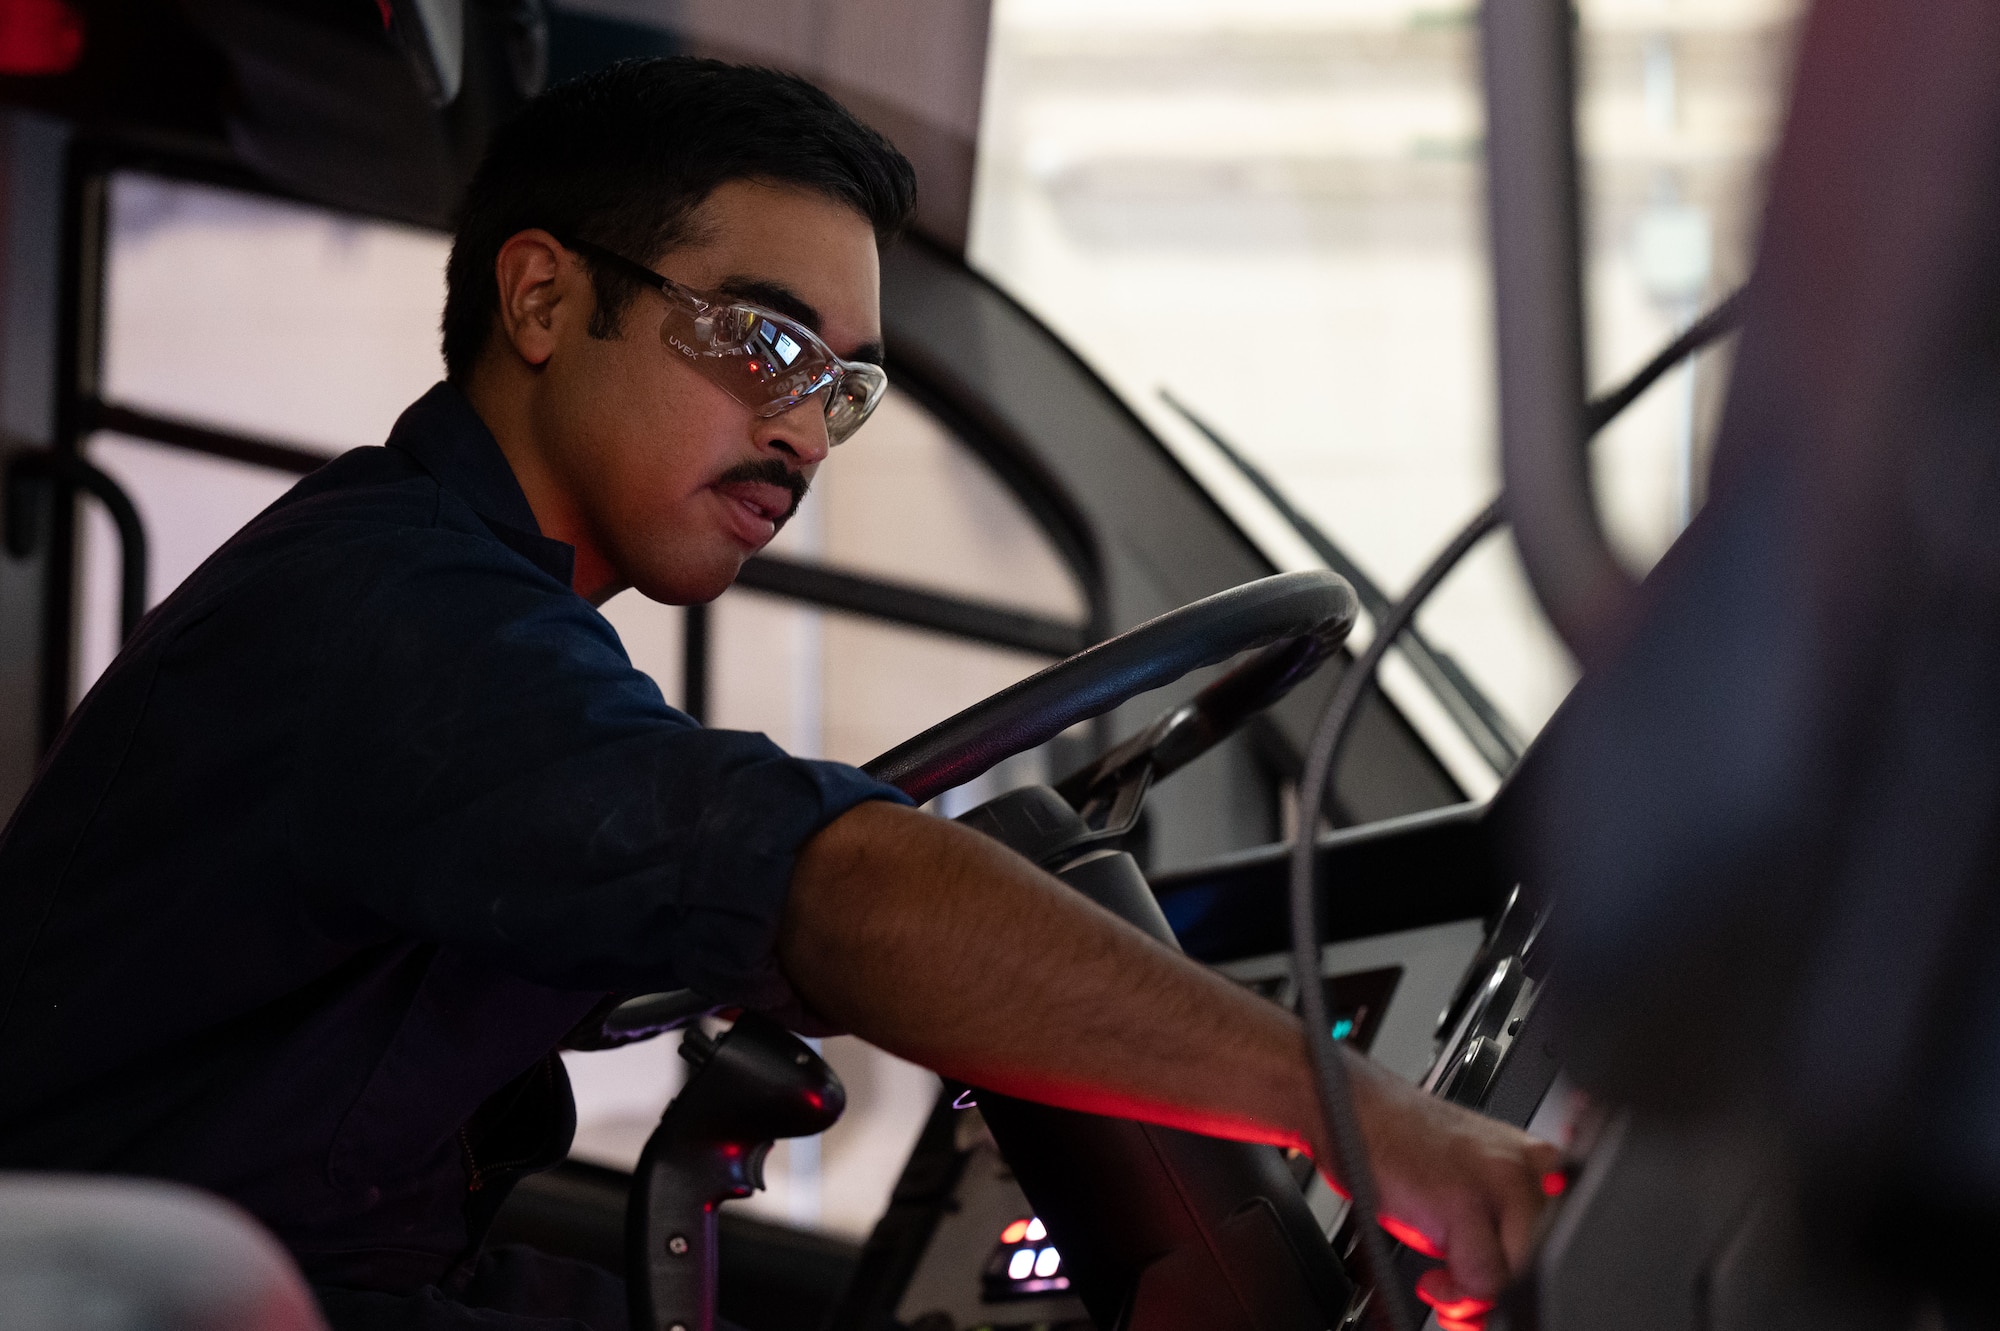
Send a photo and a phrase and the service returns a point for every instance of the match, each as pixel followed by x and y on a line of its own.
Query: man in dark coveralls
pixel 374 808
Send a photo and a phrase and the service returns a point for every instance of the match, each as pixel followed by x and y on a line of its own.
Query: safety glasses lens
pixel 753 356
pixel 853 399
pixel 721 327
pixel 771 364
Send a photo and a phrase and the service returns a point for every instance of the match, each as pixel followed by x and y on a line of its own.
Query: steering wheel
pixel 1298 619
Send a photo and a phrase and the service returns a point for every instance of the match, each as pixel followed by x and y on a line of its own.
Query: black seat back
pixel 1159 1229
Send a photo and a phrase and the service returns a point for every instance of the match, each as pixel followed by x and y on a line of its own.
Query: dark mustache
pixel 770 471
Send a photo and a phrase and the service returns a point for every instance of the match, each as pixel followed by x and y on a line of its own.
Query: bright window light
pixel 1148 170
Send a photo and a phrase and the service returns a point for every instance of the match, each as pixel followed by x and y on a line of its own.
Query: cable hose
pixel 1329 1071
pixel 1338 1121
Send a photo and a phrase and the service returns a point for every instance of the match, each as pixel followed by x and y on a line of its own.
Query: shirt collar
pixel 445 436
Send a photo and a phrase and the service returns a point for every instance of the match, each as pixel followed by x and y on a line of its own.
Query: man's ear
pixel 540 286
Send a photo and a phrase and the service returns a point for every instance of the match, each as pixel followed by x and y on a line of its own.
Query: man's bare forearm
pixel 946 948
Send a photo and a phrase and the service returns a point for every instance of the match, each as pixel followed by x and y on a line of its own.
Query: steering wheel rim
pixel 1300 619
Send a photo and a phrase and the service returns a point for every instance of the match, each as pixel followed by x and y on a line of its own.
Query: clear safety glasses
pixel 765 360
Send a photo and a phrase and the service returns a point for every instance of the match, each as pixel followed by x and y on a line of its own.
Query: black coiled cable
pixel 1336 1097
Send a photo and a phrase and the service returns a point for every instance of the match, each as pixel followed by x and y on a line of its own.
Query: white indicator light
pixel 1021 1265
pixel 1046 1264
pixel 1037 1231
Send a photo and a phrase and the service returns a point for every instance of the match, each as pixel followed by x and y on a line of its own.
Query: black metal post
pixel 79 353
pixel 694 663
pixel 1531 183
pixel 34 478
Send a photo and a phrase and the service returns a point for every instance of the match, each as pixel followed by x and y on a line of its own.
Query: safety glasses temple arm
pixel 631 268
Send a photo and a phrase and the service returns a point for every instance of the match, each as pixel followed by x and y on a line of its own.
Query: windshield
pixel 1264 219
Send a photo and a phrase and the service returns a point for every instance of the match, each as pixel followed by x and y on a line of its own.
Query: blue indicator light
pixel 1343 1028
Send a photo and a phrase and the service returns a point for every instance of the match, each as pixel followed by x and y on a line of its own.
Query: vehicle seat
pixel 94 1253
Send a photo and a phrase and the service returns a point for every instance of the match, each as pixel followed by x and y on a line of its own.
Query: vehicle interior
pixel 1710 920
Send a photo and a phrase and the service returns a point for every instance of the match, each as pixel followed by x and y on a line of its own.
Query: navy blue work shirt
pixel 365 818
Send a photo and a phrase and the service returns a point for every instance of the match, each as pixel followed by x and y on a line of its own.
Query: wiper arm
pixel 1497 741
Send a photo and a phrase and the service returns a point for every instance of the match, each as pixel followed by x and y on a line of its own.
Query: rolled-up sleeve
pixel 495 774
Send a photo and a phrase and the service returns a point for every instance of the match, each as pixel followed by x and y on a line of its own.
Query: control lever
pixel 750 1086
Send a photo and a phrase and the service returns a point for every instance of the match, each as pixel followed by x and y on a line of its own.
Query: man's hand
pixel 1454 1185
pixel 943 946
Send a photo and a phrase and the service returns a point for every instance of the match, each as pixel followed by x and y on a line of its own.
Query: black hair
pixel 624 156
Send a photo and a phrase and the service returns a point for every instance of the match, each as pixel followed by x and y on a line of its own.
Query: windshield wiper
pixel 1497 741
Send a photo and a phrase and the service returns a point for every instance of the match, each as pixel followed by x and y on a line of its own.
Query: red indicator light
pixel 39 37
pixel 1459 1314
pixel 1409 1237
pixel 1555 1183
pixel 1015 1232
